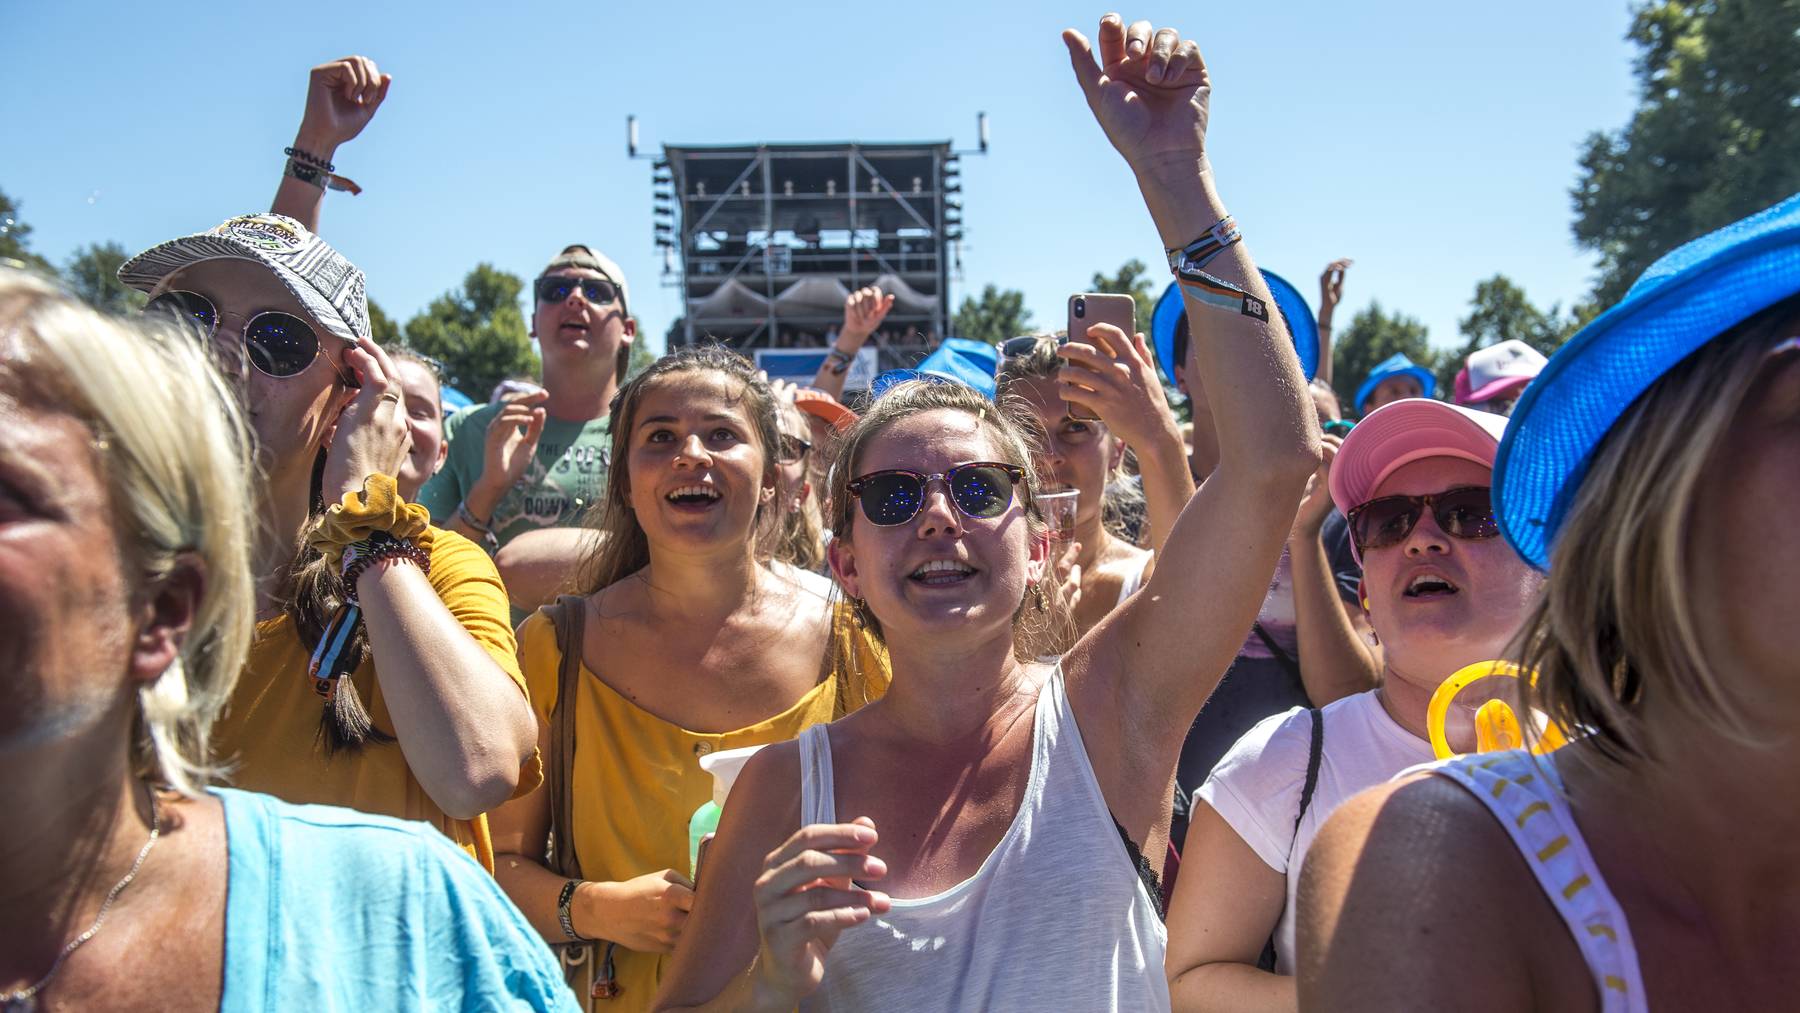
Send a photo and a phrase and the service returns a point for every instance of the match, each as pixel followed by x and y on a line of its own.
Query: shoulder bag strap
pixel 1315 752
pixel 568 615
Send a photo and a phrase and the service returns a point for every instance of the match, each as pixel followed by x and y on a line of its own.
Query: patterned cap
pixel 327 285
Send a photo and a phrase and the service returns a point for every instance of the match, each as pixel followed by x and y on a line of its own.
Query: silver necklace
pixel 24 1000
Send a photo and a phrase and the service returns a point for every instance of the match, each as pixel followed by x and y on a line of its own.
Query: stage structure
pixel 766 240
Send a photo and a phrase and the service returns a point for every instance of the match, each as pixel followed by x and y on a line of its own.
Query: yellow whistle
pixel 1496 726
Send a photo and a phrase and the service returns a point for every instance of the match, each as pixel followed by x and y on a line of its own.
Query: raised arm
pixel 864 311
pixel 462 720
pixel 1334 660
pixel 341 98
pixel 1331 290
pixel 1139 677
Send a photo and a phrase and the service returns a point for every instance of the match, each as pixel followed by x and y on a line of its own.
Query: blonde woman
pixel 126 535
pixel 1653 467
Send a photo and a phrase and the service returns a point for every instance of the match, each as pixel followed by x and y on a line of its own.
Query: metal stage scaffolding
pixel 772 237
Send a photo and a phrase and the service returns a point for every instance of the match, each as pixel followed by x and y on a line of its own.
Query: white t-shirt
pixel 1256 788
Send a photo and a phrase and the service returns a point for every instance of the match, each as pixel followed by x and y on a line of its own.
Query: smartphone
pixel 1089 308
pixel 700 856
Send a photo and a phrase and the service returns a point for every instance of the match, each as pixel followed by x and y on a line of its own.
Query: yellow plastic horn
pixel 1496 726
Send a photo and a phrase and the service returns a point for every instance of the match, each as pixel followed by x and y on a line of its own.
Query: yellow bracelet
pixel 378 507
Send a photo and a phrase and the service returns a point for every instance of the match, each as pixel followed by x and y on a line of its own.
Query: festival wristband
pixel 838 360
pixel 1196 255
pixel 378 507
pixel 1221 294
pixel 564 916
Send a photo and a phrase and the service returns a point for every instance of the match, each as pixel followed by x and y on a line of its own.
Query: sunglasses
pixel 556 288
pixel 277 344
pixel 979 489
pixel 793 449
pixel 1466 512
pixel 1025 344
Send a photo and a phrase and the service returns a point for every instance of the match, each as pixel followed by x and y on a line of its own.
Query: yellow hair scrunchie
pixel 360 514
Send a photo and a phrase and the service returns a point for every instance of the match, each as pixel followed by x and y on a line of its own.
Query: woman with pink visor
pixel 1442 591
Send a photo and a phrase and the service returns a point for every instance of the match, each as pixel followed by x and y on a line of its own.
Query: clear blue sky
pixel 1435 143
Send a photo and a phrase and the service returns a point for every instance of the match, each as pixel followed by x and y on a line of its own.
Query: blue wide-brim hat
pixel 1390 367
pixel 1299 316
pixel 1681 302
pixel 964 360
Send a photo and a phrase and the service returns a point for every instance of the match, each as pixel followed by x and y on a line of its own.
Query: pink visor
pixel 1399 433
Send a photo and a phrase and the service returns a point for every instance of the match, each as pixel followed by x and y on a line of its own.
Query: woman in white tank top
pixel 1653 467
pixel 976 839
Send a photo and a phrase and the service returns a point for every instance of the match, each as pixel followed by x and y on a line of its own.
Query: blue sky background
pixel 1435 143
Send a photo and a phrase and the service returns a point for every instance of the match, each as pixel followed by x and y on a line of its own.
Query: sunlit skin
pixel 793 485
pixel 1083 455
pixel 579 342
pixel 693 429
pixel 425 420
pixel 1426 638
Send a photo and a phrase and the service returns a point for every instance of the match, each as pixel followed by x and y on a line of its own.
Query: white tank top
pixel 1133 581
pixel 1525 793
pixel 1056 918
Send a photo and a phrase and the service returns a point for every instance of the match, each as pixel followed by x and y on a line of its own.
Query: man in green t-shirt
pixel 539 459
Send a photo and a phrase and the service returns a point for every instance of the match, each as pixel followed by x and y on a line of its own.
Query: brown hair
pixel 623 549
pixel 799 538
pixel 1015 434
pixel 1616 623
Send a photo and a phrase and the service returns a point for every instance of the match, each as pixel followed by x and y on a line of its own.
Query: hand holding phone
pixel 1089 308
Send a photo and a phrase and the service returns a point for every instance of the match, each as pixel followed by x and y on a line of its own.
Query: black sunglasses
pixel 979 489
pixel 793 448
pixel 277 344
pixel 1466 512
pixel 558 287
pixel 1025 344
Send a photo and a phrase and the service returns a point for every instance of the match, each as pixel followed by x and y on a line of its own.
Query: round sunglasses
pixel 277 344
pixel 1465 512
pixel 980 489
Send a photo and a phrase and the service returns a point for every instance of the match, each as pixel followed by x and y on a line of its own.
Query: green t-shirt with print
pixel 567 474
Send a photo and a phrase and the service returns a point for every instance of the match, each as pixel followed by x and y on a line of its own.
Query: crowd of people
pixel 1001 691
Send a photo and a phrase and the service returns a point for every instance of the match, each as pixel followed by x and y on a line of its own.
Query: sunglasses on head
pixel 1466 512
pixel 556 288
pixel 979 489
pixel 277 344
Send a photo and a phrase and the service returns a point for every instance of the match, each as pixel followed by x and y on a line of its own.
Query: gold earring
pixel 857 607
pixel 1037 596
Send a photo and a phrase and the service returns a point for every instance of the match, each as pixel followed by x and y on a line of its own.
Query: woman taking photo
pixel 1442 591
pixel 126 585
pixel 683 643
pixel 1652 467
pixel 382 676
pixel 1086 453
pixel 976 837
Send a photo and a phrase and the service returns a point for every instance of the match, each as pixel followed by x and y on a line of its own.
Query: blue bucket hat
pixel 1390 367
pixel 1690 296
pixel 964 360
pixel 1294 310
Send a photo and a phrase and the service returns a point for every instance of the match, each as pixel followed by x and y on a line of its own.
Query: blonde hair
pixel 174 452
pixel 1615 623
pixel 1014 430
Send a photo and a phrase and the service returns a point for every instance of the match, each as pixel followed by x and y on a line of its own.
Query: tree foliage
pixel 477 331
pixel 996 315
pixel 1716 135
pixel 1500 311
pixel 1132 279
pixel 15 237
pixel 381 326
pixel 92 273
pixel 1373 335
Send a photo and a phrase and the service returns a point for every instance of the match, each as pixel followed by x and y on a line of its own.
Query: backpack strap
pixel 568 616
pixel 1314 753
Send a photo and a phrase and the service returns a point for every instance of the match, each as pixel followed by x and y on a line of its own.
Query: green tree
pixel 1373 335
pixel 15 237
pixel 477 331
pixel 92 273
pixel 1716 135
pixel 1132 279
pixel 1500 311
pixel 381 326
pixel 996 315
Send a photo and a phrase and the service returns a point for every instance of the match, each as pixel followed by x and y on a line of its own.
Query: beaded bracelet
pixel 309 158
pixel 380 545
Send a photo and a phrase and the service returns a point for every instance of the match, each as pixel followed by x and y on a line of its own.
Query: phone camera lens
pixel 1080 307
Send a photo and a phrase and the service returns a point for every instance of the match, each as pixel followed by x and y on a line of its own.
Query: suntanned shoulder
pixel 1418 878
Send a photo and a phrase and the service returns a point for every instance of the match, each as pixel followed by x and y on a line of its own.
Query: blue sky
pixel 1435 143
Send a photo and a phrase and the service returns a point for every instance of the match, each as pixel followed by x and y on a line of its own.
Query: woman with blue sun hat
pixel 1394 378
pixel 1652 469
